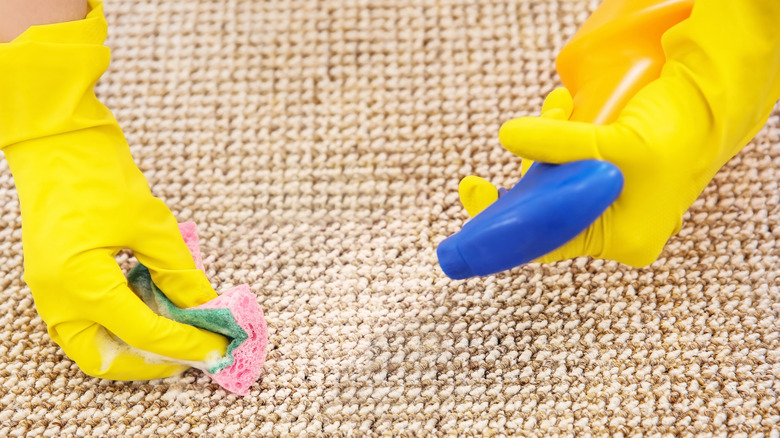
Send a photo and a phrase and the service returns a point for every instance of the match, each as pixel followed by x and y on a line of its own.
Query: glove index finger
pixel 557 106
pixel 549 140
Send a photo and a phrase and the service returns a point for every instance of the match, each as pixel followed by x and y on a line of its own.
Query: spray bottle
pixel 611 57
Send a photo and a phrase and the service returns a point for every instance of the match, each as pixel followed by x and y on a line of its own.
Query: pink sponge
pixel 189 231
pixel 249 356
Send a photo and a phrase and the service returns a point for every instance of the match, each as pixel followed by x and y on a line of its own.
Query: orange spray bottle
pixel 616 53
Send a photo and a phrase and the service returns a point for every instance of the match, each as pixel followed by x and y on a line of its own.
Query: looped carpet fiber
pixel 319 145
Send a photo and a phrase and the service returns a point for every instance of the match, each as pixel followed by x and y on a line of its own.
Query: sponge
pixel 234 314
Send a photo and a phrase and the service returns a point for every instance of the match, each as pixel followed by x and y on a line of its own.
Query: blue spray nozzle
pixel 551 205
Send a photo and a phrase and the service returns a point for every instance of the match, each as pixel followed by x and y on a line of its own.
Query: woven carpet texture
pixel 319 145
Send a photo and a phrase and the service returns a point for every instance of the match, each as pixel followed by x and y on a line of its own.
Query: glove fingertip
pixel 561 99
pixel 476 194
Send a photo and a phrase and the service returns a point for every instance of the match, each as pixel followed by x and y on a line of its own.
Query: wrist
pixel 48 77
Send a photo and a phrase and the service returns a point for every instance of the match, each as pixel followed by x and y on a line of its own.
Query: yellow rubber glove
pixel 82 200
pixel 716 90
pixel 476 193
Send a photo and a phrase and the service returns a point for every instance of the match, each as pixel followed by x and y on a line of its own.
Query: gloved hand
pixel 82 200
pixel 716 90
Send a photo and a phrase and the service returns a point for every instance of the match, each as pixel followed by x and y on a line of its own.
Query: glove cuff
pixel 48 78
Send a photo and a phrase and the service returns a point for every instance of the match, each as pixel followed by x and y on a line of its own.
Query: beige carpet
pixel 319 144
